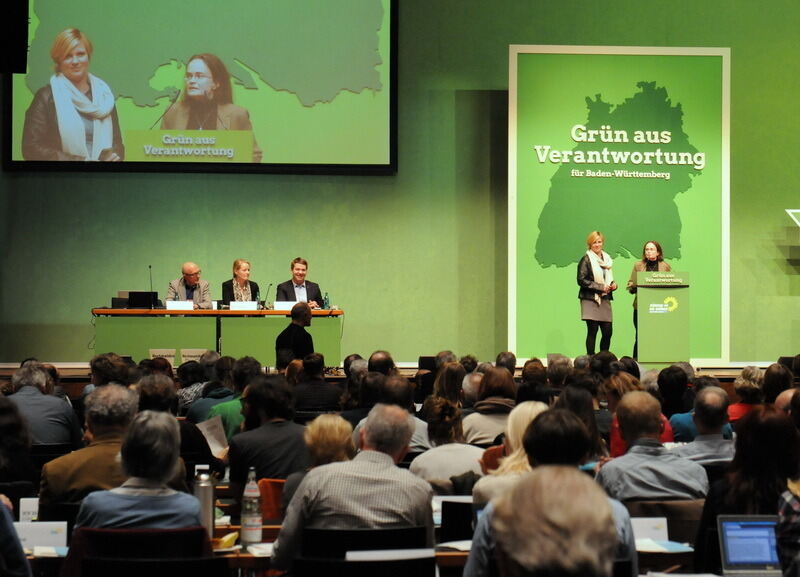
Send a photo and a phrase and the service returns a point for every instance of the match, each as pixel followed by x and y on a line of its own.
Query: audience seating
pixel 334 543
pixel 136 567
pixel 271 493
pixel 16 490
pixel 305 417
pixel 683 516
pixel 42 454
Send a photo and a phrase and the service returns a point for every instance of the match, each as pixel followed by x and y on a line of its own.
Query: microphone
pixel 171 104
pixel 152 296
pixel 266 295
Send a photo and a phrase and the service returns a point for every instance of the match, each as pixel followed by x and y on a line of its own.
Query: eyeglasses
pixel 192 273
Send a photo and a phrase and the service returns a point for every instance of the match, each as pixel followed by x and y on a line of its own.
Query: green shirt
pixel 231 413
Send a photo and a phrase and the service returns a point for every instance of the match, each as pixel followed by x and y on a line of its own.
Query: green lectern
pixel 663 311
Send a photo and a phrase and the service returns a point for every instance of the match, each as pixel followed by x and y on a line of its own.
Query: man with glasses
pixel 190 288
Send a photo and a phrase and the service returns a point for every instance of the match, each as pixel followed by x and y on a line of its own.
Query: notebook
pixel 748 546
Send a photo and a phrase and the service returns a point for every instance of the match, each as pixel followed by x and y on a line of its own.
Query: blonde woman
pixel 74 116
pixel 748 388
pixel 240 287
pixel 596 282
pixel 512 467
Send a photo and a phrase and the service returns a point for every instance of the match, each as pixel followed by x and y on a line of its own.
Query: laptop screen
pixel 748 543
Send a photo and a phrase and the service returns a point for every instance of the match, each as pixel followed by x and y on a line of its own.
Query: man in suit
pixel 298 288
pixel 190 288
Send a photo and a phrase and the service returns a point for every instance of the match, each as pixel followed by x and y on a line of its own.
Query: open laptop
pixel 748 545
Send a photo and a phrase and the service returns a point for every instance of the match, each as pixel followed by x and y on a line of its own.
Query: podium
pixel 663 313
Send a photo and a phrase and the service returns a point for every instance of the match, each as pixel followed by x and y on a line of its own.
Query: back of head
pixel 471 386
pixel 294 371
pixel 161 365
pixel 208 359
pixel 348 361
pixel 629 365
pixel 617 386
pixel 469 362
pixel 568 532
pixel 111 407
pixel 358 370
pixel 557 437
pixel 107 368
pixel 603 363
pixel 271 396
pixel 581 363
pixel 314 366
pixel 672 383
pixel 711 409
pixel 444 421
pixel 748 385
pixel 245 370
pixel 688 369
pixel 448 381
pixel 30 375
pixel 639 415
pixel 507 360
pixel 371 389
pixel 534 374
pixel 381 362
pixel 497 382
pixel 777 379
pixel 518 420
pixel 579 401
pixel 444 357
pixel 223 370
pixel 558 367
pixel 329 439
pixel 388 429
pixel 157 393
pixel 397 390
pixel 190 373
pixel 301 312
pixel 702 382
pixel 151 447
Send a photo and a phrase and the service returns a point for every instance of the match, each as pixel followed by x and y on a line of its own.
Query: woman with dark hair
pixel 15 445
pixel 450 456
pixel 767 456
pixel 495 401
pixel 597 285
pixel 579 400
pixel 652 261
pixel 447 385
pixel 673 384
pixel 777 379
pixel 207 102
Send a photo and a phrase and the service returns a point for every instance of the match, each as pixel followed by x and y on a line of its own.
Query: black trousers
pixel 591 335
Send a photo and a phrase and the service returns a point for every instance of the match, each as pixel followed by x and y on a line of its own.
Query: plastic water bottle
pixel 251 511
pixel 326 302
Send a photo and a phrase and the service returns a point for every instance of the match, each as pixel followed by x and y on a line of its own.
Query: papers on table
pixel 260 550
pixel 652 546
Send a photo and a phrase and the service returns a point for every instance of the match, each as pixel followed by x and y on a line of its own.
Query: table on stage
pixel 134 332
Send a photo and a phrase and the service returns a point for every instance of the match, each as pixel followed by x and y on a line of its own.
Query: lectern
pixel 663 313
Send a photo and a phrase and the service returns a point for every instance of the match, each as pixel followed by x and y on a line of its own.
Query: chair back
pixel 60 512
pixel 683 516
pixel 305 417
pixel 334 543
pixel 190 567
pixel 134 543
pixel 421 567
pixel 271 493
pixel 16 490
pixel 44 453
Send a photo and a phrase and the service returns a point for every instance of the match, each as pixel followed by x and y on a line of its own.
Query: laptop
pixel 748 545
pixel 142 300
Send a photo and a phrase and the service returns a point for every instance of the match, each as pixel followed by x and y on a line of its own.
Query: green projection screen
pixel 630 141
pixel 312 87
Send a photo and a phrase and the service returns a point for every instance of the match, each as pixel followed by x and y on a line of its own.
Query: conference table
pixel 134 332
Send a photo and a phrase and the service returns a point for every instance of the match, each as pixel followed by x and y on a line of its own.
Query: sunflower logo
pixel 672 303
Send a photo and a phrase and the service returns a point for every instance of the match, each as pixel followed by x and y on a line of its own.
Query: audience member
pixel 507 360
pixel 68 479
pixel 192 379
pixel 604 363
pixel 313 393
pixel 13 561
pixel 579 401
pixel 442 358
pixel 710 416
pixel 368 492
pixel 470 387
pixel 581 363
pixel 15 445
pixel 648 470
pixel 683 427
pixel 672 383
pixel 630 366
pixel 783 401
pixel 447 385
pixel 748 388
pixel 294 372
pixel 149 459
pixel 534 385
pixel 469 362
pixel 295 337
pixel 777 379
pixel 495 401
pixel 515 464
pixel 218 390
pixel 558 367
pixel 382 362
pixel 245 370
pixel 271 442
pixel 50 419
pixel 369 393
pixel 767 455
pixel 329 439
pixel 354 375
pixel 584 379
pixel 450 456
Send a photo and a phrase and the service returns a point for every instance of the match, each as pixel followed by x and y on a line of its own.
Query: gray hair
pixel 111 406
pixel 30 375
pixel 649 380
pixel 358 370
pixel 574 533
pixel 687 368
pixel 581 362
pixel 388 428
pixel 152 446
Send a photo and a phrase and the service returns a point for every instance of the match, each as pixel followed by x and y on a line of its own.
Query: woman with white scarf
pixel 73 117
pixel 596 280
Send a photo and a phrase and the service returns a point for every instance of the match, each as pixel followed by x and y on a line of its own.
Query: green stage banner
pixel 630 141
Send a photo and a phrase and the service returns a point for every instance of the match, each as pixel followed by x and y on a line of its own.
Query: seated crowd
pixel 371 452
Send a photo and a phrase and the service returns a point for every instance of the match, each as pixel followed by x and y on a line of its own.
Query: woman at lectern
pixel 74 116
pixel 240 287
pixel 652 261
pixel 596 282
pixel 207 101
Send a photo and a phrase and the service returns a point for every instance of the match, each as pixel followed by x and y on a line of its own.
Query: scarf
pixel 71 103
pixel 601 270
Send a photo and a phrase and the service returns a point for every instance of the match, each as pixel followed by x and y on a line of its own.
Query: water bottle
pixel 326 302
pixel 204 491
pixel 251 511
